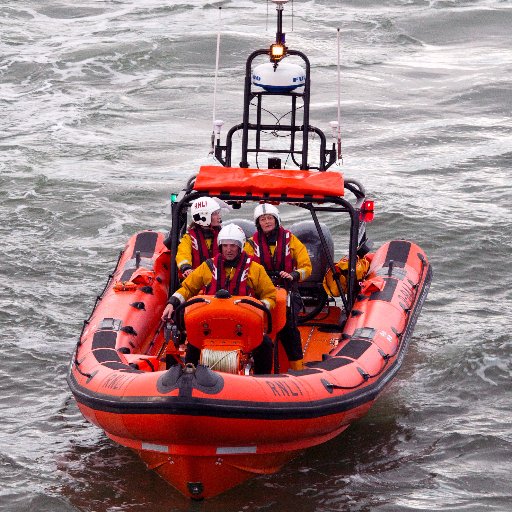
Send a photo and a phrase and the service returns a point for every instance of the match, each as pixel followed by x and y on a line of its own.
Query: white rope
pixel 220 360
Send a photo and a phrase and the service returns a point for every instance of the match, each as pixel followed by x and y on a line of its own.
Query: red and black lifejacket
pixel 282 257
pixel 200 251
pixel 237 285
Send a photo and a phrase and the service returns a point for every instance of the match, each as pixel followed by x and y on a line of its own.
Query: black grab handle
pixel 178 312
pixel 261 307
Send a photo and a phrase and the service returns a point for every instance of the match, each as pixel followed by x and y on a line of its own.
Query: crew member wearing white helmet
pixel 287 260
pixel 200 241
pixel 235 271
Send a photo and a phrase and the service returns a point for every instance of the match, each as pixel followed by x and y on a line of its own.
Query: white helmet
pixel 266 209
pixel 231 234
pixel 202 209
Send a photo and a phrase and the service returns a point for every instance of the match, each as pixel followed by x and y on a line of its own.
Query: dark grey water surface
pixel 106 108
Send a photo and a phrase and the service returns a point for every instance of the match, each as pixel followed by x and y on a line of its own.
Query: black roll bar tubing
pixel 258 123
pixel 177 225
pixel 330 261
pixel 346 206
pixel 332 157
pixel 353 211
pixel 323 143
pixel 293 124
pixel 352 256
pixel 355 187
pixel 247 101
pixel 352 250
pixel 248 95
pixel 226 162
pixel 218 155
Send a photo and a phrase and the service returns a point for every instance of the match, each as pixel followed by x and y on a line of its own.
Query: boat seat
pixel 306 232
pixel 247 225
pixel 312 290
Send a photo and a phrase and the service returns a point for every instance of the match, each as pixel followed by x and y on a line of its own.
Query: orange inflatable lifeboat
pixel 208 428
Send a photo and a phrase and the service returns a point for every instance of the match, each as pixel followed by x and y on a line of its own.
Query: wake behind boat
pixel 208 427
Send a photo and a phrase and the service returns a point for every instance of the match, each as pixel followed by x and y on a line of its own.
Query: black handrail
pixel 257 305
pixel 178 312
pixel 337 204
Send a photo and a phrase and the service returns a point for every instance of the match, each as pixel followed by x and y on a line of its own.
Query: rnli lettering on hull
pixel 283 389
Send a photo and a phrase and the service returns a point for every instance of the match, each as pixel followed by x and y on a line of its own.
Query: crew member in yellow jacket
pixel 287 261
pixel 235 271
pixel 341 269
pixel 200 241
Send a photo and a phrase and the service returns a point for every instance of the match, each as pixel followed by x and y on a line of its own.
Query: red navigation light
pixel 366 212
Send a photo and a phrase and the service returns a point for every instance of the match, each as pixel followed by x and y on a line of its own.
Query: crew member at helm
pixel 232 269
pixel 200 241
pixel 287 261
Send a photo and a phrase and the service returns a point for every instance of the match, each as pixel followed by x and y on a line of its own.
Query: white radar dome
pixel 285 78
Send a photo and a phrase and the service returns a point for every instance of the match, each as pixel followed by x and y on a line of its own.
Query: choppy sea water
pixel 106 109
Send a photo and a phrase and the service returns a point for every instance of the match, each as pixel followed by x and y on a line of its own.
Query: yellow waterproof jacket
pixel 329 283
pixel 184 251
pixel 300 256
pixel 257 280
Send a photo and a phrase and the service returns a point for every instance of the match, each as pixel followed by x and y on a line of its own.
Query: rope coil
pixel 221 360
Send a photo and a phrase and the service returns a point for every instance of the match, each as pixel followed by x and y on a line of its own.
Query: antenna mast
pixel 290 83
pixel 217 123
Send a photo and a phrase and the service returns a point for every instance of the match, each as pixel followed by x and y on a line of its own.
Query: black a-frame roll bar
pixel 335 204
pixel 327 157
pixel 224 153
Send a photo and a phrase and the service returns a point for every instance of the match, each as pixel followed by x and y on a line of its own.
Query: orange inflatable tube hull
pixel 206 431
